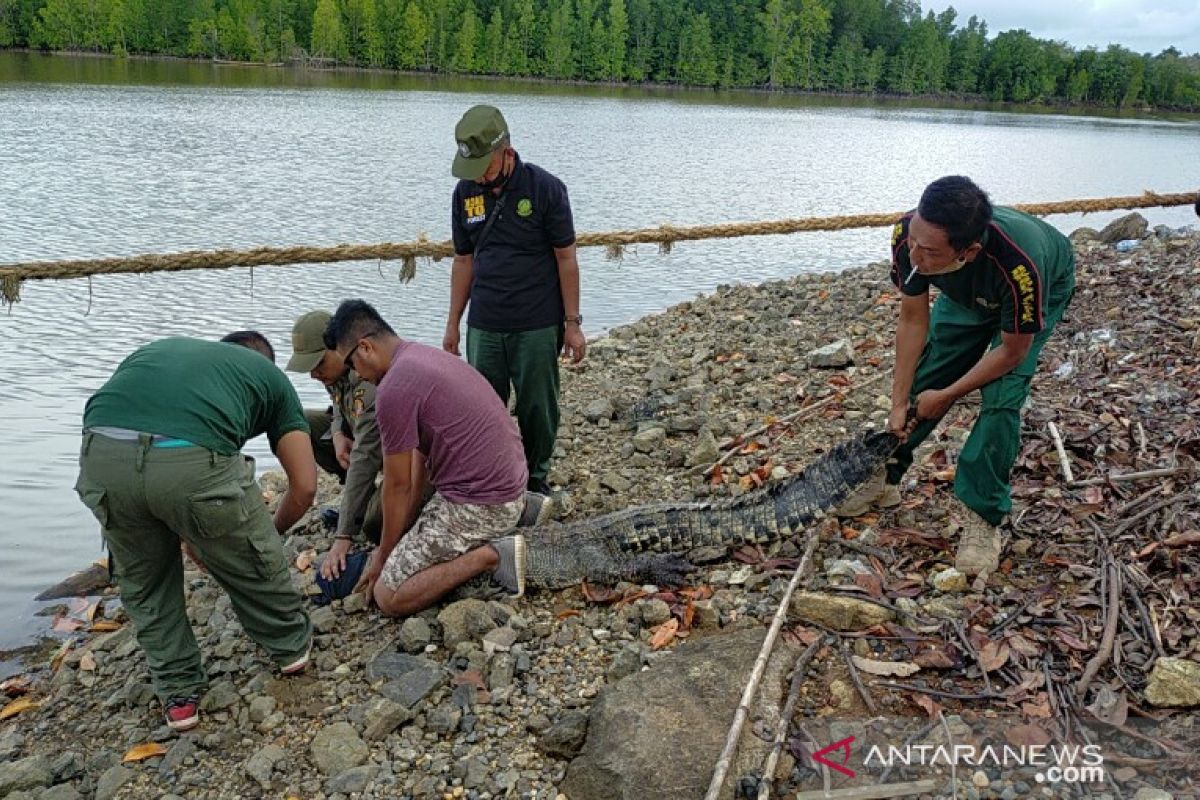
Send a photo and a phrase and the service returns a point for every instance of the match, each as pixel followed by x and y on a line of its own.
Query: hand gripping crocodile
pixel 647 544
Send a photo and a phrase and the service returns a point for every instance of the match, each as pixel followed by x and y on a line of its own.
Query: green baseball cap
pixel 479 133
pixel 308 341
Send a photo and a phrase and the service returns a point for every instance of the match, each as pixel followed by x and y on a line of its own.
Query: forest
pixel 846 46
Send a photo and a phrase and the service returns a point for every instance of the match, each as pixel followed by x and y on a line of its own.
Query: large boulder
pixel 1130 226
pixel 633 751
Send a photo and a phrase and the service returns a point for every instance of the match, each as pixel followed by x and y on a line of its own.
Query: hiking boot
pixel 183 713
pixel 539 486
pixel 299 665
pixel 511 572
pixel 979 545
pixel 537 510
pixel 875 494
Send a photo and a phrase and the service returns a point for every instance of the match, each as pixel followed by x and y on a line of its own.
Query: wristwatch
pixel 577 319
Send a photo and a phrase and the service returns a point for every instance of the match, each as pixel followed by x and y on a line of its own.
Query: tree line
pixel 863 46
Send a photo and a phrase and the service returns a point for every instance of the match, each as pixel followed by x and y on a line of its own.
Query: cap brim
pixel 304 362
pixel 470 169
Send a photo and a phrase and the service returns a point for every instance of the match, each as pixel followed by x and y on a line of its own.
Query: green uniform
pixel 1021 282
pixel 160 463
pixel 354 415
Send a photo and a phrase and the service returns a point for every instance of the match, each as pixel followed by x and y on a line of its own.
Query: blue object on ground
pixel 344 584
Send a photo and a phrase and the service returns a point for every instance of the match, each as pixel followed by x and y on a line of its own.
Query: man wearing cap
pixel 345 437
pixel 514 262
pixel 160 466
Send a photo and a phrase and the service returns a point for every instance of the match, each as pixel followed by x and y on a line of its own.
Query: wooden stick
pixel 908 687
pixel 760 666
pixel 787 420
pixel 880 791
pixel 789 708
pixel 858 684
pixel 1151 631
pixel 1145 512
pixel 1112 617
pixel 1062 453
pixel 1132 476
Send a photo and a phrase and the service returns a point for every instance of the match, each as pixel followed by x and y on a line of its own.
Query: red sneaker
pixel 298 666
pixel 183 713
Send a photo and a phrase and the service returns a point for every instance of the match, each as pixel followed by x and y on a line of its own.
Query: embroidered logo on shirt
pixel 897 232
pixel 1024 283
pixel 524 207
pixel 359 404
pixel 474 209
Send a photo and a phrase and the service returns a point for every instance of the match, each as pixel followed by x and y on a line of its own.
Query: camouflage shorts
pixel 445 531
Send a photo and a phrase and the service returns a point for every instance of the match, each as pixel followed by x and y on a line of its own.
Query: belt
pixel 129 435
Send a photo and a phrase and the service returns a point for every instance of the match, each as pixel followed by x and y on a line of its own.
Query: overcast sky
pixel 1141 25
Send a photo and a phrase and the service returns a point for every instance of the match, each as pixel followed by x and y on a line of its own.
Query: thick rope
pixel 12 275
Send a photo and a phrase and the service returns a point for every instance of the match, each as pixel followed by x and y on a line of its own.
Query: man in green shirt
pixel 161 465
pixel 345 439
pixel 1005 280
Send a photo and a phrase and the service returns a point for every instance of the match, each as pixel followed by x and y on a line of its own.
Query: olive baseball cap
pixel 478 133
pixel 308 341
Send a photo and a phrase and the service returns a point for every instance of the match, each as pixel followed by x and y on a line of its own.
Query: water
pixel 104 158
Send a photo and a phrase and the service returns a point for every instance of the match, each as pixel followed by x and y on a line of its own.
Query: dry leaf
pixel 87 662
pixel 1109 706
pixel 664 634
pixel 936 658
pixel 689 614
pixel 1040 708
pixel 1026 735
pixel 105 626
pixel 600 594
pixel 993 655
pixel 887 669
pixel 718 476
pixel 15 686
pixel 143 751
pixel 1182 539
pixel 469 677
pixel 17 706
pixel 928 703
pixel 872 583
pixel 570 612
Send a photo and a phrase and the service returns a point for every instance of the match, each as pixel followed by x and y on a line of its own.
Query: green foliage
pixel 817 45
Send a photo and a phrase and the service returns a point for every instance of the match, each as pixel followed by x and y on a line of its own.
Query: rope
pixel 614 242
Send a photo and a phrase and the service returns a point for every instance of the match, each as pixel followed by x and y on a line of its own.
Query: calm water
pixel 99 157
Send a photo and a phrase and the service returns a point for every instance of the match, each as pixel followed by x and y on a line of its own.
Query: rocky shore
pixel 628 691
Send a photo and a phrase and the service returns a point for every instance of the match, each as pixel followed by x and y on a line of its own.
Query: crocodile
pixel 648 543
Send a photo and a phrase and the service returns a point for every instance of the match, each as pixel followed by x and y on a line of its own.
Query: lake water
pixel 105 158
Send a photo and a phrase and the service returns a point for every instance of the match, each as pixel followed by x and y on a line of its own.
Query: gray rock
pixel 949 580
pixel 839 613
pixel 323 619
pixel 1174 683
pixel 443 719
pixel 500 674
pixel 1130 226
pixel 10 744
pixel 63 791
pixel 708 617
pixel 566 736
pixel 337 748
pixel 654 612
pixel 499 640
pixel 476 773
pixel 832 356
pixel 111 781
pixel 615 482
pixel 260 765
pixel 67 766
pixel 414 635
pixel 220 696
pixel 27 773
pixel 413 686
pixel 261 707
pixel 464 621
pixel 352 780
pixel 632 748
pixel 649 439
pixel 184 746
pixel 705 451
pixel 598 409
pixel 382 716
pixel 1085 234
pixel 1151 793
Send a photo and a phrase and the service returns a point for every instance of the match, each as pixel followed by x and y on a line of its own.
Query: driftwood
pixel 93 580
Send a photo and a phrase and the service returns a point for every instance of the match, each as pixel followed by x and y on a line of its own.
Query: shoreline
pixel 957 101
pixel 655 402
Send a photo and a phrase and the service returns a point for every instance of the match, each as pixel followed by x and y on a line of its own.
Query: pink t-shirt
pixel 437 403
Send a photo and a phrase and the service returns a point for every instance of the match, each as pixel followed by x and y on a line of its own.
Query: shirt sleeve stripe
pixel 1041 287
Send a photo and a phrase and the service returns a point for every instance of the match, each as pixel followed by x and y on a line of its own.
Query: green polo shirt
pixel 1025 264
pixel 213 394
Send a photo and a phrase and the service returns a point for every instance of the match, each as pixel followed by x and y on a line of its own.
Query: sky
pixel 1141 25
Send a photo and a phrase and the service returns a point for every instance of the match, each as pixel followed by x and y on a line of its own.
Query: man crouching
pixel 441 423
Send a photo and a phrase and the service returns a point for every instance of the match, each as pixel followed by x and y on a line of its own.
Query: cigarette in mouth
pixel 910 275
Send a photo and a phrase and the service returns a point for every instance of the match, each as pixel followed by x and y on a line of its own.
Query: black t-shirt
pixel 1025 266
pixel 515 285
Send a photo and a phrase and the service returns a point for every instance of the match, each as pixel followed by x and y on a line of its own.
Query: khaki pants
pixel 319 422
pixel 147 500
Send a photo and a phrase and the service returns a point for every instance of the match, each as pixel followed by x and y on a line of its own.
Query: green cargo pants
pixel 147 500
pixel 319 422
pixel 528 361
pixel 958 338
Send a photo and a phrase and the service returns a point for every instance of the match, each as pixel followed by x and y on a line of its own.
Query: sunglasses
pixel 348 361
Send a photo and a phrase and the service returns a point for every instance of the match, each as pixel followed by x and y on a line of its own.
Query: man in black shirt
pixel 514 244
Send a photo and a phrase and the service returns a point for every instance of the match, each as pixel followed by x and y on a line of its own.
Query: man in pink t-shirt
pixel 440 425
